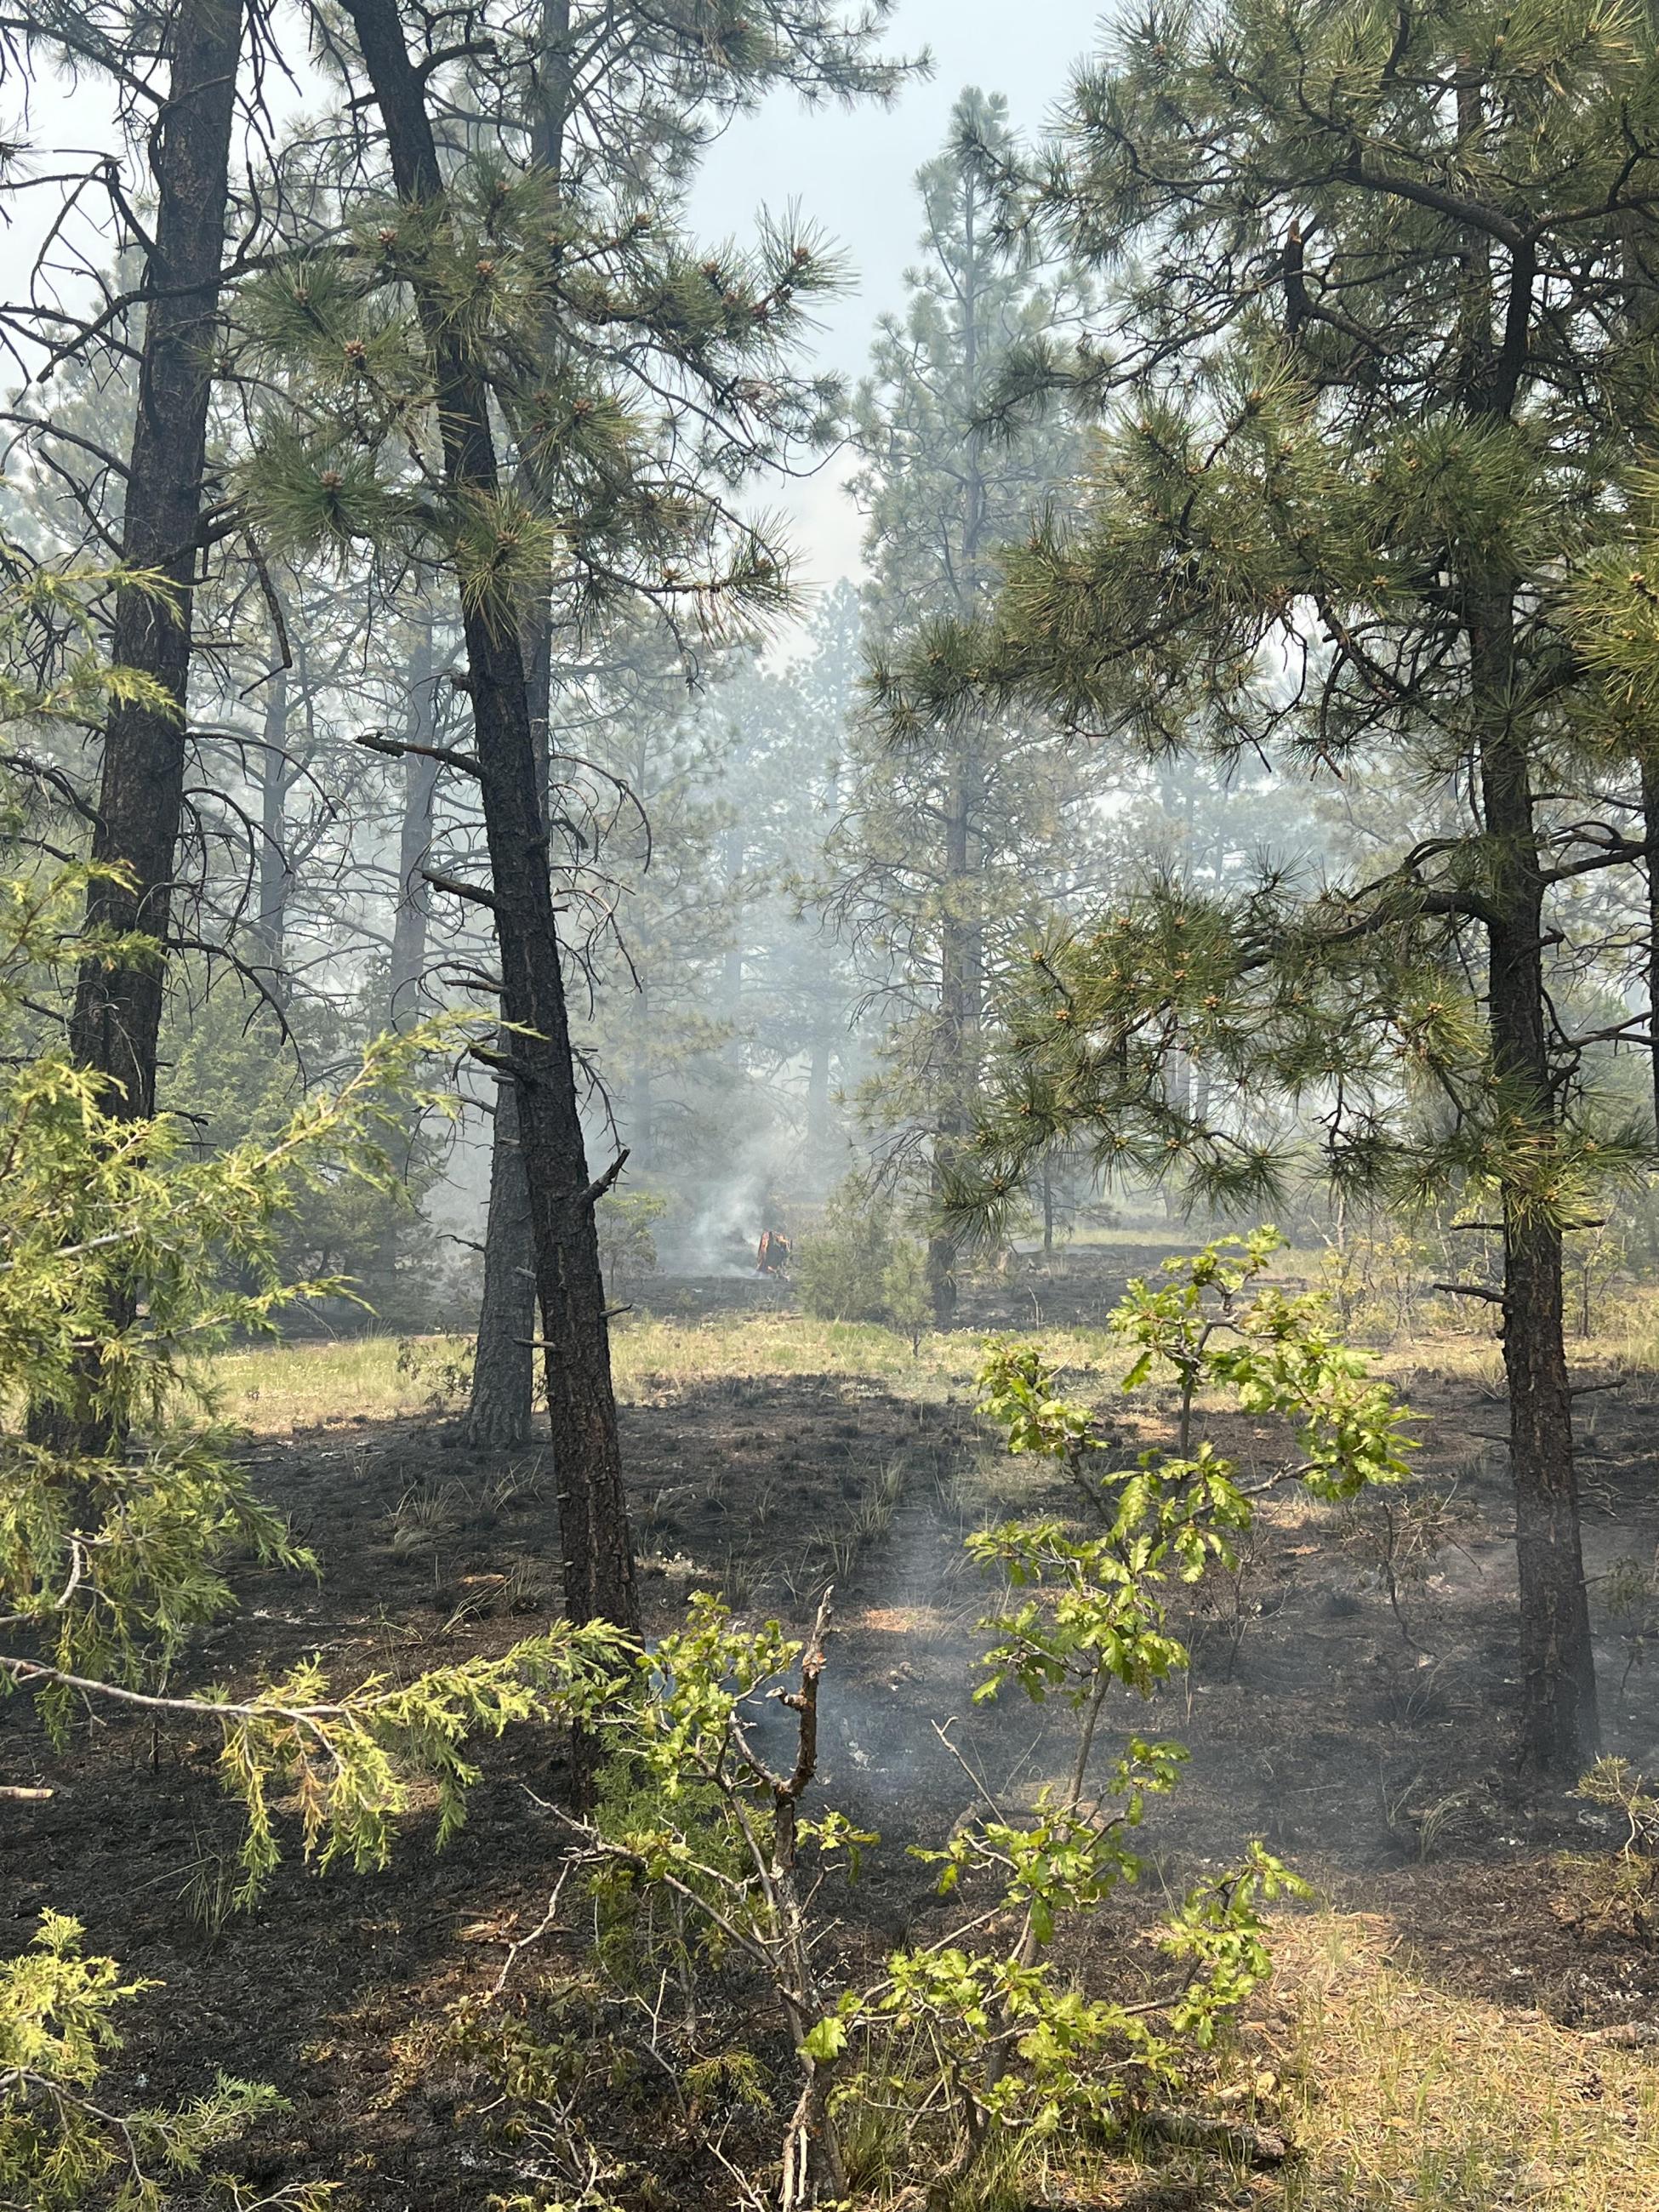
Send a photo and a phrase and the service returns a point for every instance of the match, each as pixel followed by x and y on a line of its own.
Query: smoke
pixel 718 1221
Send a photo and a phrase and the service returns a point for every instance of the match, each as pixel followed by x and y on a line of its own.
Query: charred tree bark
pixel 1650 839
pixel 502 1403
pixel 597 1552
pixel 504 1367
pixel 116 1017
pixel 410 922
pixel 1559 1726
pixel 503 1376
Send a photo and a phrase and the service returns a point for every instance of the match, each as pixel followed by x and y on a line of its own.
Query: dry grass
pixel 295 1386
pixel 277 1387
pixel 1404 2098
pixel 1400 2096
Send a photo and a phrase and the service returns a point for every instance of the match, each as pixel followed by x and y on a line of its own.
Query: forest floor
pixel 1461 2020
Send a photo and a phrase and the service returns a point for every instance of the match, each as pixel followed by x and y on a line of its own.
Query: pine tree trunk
pixel 731 966
pixel 642 1092
pixel 960 958
pixel 503 1373
pixel 819 1124
pixel 597 1553
pixel 503 1368
pixel 1559 1729
pixel 117 1018
pixel 410 922
pixel 961 945
pixel 502 1407
pixel 818 1094
pixel 406 965
pixel 276 878
pixel 1650 838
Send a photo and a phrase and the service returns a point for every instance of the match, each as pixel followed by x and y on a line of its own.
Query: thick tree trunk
pixel 116 1017
pixel 1557 1657
pixel 598 1555
pixel 410 922
pixel 503 1375
pixel 504 1364
pixel 503 1372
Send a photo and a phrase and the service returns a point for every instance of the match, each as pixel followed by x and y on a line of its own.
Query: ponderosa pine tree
pixel 491 254
pixel 1366 383
pixel 612 104
pixel 117 1007
pixel 829 684
pixel 488 533
pixel 943 836
pixel 656 1027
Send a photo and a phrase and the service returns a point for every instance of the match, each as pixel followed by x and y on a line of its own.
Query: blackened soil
pixel 1366 1736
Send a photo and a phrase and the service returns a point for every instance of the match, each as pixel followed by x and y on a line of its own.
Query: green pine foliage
pixel 507 260
pixel 1372 1029
pixel 52 667
pixel 957 827
pixel 1347 431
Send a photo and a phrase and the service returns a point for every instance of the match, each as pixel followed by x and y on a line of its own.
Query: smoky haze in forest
pixel 829 1002
pixel 781 933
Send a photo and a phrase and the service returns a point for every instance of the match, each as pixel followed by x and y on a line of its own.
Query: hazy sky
pixel 852 173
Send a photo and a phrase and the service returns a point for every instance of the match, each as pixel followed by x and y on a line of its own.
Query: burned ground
pixel 1366 1736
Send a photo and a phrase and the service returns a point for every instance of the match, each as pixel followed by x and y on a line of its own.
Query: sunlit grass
pixel 1394 2094
pixel 652 1356
pixel 1404 2097
pixel 275 1387
pixel 292 1386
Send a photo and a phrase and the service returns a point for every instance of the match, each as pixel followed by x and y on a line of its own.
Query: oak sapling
pixel 968 2050
pixel 1088 1612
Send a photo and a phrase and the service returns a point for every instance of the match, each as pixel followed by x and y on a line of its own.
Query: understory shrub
pixel 58 2143
pixel 926 2084
pixel 856 1263
pixel 126 1258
